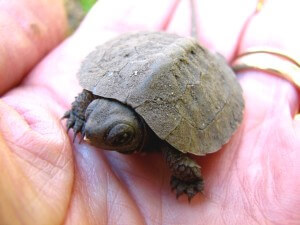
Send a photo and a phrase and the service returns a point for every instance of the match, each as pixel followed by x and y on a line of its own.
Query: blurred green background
pixel 76 10
pixel 87 4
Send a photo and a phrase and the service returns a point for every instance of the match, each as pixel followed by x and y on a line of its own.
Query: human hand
pixel 46 179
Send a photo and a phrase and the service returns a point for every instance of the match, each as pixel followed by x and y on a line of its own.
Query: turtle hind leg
pixel 186 176
pixel 190 188
pixel 76 115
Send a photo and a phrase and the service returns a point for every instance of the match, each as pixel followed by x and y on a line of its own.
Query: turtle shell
pixel 188 96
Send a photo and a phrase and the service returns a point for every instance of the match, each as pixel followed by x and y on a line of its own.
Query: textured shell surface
pixel 188 96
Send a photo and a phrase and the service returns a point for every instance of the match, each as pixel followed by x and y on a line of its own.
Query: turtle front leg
pixel 186 176
pixel 76 115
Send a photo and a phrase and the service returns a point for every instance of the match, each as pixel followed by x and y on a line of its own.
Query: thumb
pixel 28 30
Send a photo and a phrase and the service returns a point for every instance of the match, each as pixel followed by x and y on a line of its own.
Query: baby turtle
pixel 151 91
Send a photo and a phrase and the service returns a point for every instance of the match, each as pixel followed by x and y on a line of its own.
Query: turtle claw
pixel 82 136
pixel 66 115
pixel 190 188
pixel 174 182
pixel 70 124
pixel 74 122
pixel 74 137
pixel 178 195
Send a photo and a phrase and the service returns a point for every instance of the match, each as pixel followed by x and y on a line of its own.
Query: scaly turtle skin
pixel 153 90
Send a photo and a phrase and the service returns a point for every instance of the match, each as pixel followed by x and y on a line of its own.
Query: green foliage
pixel 87 4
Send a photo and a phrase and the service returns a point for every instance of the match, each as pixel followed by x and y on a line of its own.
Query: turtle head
pixel 111 125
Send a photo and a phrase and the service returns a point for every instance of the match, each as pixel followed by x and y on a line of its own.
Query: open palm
pixel 46 179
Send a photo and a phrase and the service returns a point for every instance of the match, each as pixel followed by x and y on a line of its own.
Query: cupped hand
pixel 47 179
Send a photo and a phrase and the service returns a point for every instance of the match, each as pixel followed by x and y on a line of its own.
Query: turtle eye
pixel 120 134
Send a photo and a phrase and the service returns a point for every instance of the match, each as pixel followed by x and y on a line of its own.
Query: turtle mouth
pixel 86 140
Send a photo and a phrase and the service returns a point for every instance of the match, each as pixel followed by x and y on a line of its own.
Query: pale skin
pixel 46 179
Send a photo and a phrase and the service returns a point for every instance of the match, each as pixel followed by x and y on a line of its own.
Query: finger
pixel 35 160
pixel 219 23
pixel 107 19
pixel 267 29
pixel 29 29
pixel 268 96
pixel 15 192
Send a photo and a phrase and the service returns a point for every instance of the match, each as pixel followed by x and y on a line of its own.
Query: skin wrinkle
pixel 31 202
pixel 134 175
pixel 250 212
pixel 16 140
pixel 223 205
pixel 270 112
pixel 17 153
pixel 86 209
pixel 72 196
pixel 41 192
pixel 228 174
pixel 81 186
pixel 41 154
pixel 51 176
pixel 39 196
pixel 28 151
pixel 122 182
pixel 277 192
pixel 251 215
pixel 113 203
pixel 94 214
pixel 275 195
pixel 109 210
pixel 22 111
pixel 129 193
pixel 64 149
pixel 108 202
pixel 90 203
pixel 243 184
pixel 29 162
pixel 257 200
pixel 60 170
